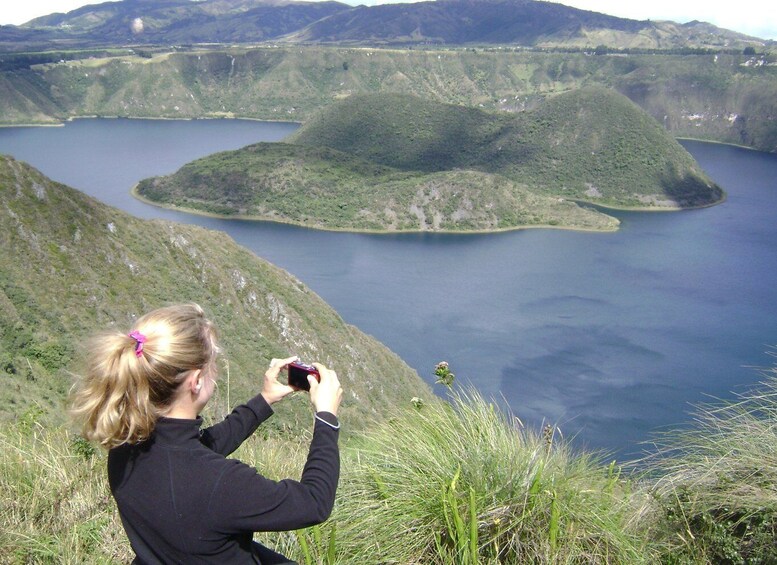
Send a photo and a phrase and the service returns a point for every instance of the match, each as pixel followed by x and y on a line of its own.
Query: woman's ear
pixel 194 381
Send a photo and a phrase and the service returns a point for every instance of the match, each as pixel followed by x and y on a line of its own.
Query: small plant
pixel 83 448
pixel 460 542
pixel 328 551
pixel 444 374
pixel 30 420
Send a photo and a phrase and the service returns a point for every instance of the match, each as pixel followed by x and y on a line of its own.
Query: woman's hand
pixel 272 389
pixel 326 394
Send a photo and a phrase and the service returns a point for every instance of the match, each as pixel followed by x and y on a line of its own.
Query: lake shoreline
pixel 64 122
pixel 730 143
pixel 651 209
pixel 241 217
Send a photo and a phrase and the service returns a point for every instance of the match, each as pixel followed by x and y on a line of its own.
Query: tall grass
pixel 55 506
pixel 717 481
pixel 465 483
pixel 457 482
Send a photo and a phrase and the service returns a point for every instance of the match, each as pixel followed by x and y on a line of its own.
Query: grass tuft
pixel 717 481
pixel 467 485
pixel 55 506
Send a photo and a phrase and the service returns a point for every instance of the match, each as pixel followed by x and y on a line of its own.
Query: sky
pixel 753 17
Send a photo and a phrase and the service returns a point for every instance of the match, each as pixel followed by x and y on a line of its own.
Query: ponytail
pixel 131 379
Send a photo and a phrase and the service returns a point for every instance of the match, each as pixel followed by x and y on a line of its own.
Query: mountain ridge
pixel 726 98
pixel 448 22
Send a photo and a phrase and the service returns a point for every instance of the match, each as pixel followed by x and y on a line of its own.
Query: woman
pixel 180 499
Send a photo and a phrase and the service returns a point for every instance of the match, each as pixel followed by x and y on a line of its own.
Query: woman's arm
pixel 225 437
pixel 244 501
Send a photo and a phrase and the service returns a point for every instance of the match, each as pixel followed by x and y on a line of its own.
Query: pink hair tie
pixel 140 339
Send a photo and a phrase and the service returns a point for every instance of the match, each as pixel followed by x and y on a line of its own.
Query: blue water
pixel 609 336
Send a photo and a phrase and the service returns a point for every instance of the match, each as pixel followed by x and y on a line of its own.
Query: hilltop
pixel 72 266
pixel 509 22
pixel 391 162
pixel 589 144
pixel 168 22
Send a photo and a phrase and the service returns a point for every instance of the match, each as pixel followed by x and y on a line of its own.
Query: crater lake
pixel 611 337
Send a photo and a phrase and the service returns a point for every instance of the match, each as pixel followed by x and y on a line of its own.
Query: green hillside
pixel 722 97
pixel 72 266
pixel 590 144
pixel 508 22
pixel 392 162
pixel 167 22
pixel 324 188
pixel 449 22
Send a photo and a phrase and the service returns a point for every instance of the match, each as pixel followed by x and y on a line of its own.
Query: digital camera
pixel 298 375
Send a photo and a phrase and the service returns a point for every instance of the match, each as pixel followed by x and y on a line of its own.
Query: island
pixel 395 162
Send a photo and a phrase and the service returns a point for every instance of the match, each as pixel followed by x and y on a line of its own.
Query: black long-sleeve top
pixel 182 501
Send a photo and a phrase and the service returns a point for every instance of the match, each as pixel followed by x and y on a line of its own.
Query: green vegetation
pixel 328 189
pixel 716 481
pixel 589 144
pixel 501 22
pixel 392 162
pixel 172 22
pixel 470 485
pixel 441 483
pixel 102 268
pixel 55 505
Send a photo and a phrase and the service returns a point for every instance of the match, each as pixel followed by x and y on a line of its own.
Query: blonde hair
pixel 124 392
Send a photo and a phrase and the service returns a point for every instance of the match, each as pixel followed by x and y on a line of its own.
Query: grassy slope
pixel 441 484
pixel 715 97
pixel 71 266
